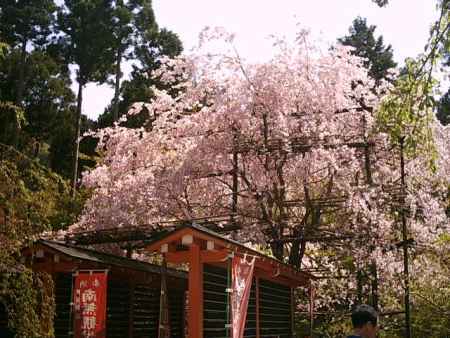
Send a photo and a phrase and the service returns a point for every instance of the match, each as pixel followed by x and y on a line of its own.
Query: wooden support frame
pixel 197 246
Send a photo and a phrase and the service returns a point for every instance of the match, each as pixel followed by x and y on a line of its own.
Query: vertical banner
pixel 90 304
pixel 242 276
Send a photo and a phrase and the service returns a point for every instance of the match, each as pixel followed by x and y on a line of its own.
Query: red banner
pixel 90 305
pixel 242 276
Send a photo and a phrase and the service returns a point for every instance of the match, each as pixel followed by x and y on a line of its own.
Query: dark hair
pixel 364 314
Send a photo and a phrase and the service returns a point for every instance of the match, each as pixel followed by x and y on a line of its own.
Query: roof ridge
pixel 51 243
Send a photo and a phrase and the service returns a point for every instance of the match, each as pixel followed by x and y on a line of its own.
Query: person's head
pixel 365 320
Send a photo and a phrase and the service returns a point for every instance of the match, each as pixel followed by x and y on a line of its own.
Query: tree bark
pixel 21 75
pixel 117 85
pixel 77 138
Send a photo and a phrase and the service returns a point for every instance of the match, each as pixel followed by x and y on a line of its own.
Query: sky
pixel 403 23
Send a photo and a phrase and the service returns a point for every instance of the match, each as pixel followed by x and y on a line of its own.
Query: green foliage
pixel 47 94
pixel 428 301
pixel 47 106
pixel 23 21
pixel 3 49
pixel 28 298
pixel 406 112
pixel 32 200
pixel 379 58
pixel 12 120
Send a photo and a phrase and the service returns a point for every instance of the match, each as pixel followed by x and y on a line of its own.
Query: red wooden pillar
pixel 195 315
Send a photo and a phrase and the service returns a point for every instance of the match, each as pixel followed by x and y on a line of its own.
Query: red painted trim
pixel 156 246
pixel 178 257
pixel 214 256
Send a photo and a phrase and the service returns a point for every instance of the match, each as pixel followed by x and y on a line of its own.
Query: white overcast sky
pixel 403 23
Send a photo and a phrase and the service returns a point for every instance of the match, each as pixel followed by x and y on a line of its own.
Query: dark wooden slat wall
pixel 118 309
pixel 214 301
pixel 145 311
pixel 176 313
pixel 274 310
pixel 250 321
pixel 63 290
pixel 131 312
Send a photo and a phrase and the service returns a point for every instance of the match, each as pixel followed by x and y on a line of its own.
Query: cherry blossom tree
pixel 288 150
pixel 300 155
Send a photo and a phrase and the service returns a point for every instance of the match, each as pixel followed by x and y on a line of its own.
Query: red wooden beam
pixel 214 256
pixel 178 257
pixel 169 239
pixel 278 270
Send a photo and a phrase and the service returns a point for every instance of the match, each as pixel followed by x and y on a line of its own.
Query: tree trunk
pixel 117 85
pixel 21 75
pixel 77 139
pixel 294 255
pixel 374 278
pixel 359 285
pixel 276 245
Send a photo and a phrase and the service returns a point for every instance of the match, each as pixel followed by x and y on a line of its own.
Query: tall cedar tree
pixel 46 96
pixel 379 58
pixel 148 44
pixel 25 23
pixel 87 43
pixel 132 20
pixel 123 34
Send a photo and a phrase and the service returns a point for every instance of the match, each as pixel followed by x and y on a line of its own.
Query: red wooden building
pixel 133 289
pixel 271 306
pixel 198 299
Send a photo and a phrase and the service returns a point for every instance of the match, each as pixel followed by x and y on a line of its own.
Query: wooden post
pixel 257 307
pixel 195 316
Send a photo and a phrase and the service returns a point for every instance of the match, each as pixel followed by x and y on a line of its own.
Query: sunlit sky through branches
pixel 403 23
